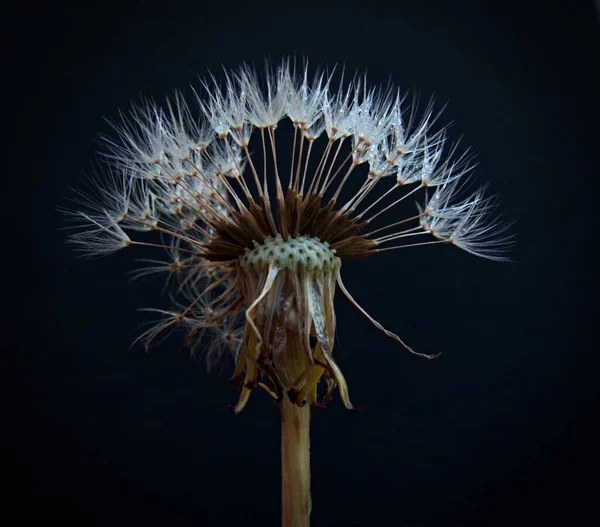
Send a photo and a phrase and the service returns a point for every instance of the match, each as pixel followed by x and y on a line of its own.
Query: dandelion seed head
pixel 255 244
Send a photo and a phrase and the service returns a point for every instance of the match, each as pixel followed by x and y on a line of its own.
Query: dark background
pixel 499 429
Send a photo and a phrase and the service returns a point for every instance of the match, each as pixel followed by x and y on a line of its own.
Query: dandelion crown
pixel 255 247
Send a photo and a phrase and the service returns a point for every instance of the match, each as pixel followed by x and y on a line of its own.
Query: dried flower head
pixel 254 248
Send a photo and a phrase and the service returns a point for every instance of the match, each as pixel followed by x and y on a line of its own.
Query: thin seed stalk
pixel 295 449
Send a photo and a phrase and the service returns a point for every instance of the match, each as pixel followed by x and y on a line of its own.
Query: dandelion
pixel 255 244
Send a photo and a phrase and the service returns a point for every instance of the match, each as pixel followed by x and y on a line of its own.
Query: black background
pixel 499 429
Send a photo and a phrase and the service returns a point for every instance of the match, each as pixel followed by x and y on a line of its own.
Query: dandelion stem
pixel 295 446
pixel 295 464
